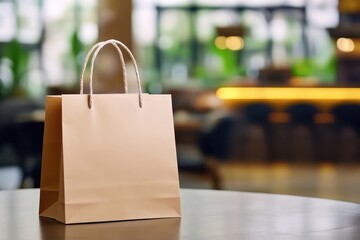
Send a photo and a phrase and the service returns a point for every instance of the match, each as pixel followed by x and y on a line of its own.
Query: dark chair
pixel 217 142
pixel 22 136
pixel 347 115
pixel 10 111
pixel 302 114
pixel 258 136
pixel 219 145
pixel 347 130
pixel 27 142
pixel 257 113
pixel 302 132
pixel 225 143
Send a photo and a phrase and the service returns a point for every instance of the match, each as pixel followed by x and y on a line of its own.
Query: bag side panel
pixel 51 158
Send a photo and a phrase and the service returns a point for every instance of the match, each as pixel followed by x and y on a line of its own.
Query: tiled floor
pixel 340 182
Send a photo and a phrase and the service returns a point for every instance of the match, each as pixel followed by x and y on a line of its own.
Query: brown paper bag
pixel 109 157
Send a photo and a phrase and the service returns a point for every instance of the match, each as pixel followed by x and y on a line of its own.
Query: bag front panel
pixel 119 159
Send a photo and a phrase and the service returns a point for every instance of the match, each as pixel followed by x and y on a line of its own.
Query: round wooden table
pixel 206 214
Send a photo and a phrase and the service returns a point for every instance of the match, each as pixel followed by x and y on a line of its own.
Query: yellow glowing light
pixel 345 44
pixel 234 43
pixel 220 42
pixel 278 93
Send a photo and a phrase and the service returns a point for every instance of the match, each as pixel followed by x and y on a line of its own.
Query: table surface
pixel 206 214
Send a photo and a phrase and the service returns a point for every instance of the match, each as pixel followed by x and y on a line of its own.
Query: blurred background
pixel 265 93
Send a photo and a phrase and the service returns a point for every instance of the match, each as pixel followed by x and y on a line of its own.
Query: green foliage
pixel 304 67
pixel 230 66
pixel 18 58
pixel 77 49
pixel 325 72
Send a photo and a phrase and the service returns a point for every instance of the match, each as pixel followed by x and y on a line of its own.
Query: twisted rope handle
pixel 98 47
pixel 122 61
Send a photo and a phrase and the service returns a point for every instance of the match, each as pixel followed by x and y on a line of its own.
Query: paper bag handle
pixel 98 47
pixel 87 59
